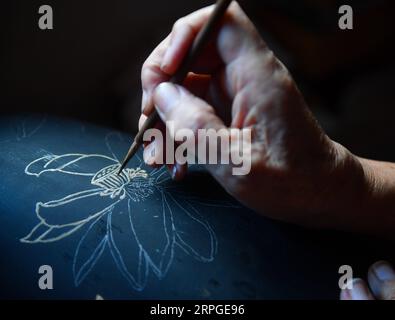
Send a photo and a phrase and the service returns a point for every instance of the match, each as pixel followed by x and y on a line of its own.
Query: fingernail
pixel 166 95
pixel 359 290
pixel 384 271
pixel 149 154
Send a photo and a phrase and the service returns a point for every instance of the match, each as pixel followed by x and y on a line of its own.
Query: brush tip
pixel 133 149
pixel 121 167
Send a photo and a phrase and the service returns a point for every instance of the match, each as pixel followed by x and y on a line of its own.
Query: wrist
pixel 346 186
pixel 379 201
pixel 363 195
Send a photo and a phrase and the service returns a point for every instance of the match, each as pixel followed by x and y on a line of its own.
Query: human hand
pixel 381 279
pixel 297 173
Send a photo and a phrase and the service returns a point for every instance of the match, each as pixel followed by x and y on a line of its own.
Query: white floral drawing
pixel 124 216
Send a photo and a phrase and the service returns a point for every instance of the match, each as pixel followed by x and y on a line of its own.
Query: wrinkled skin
pixel 298 174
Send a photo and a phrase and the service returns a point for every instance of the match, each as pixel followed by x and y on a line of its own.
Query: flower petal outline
pixel 137 282
pixel 35 236
pixel 88 264
pixel 67 163
pixel 72 198
pixel 194 215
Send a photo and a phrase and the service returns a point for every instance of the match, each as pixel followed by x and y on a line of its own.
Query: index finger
pixel 152 74
pixel 162 63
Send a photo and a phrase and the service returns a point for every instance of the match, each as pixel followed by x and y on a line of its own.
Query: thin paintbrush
pixel 196 48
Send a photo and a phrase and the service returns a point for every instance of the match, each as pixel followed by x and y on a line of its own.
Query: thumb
pixel 188 115
pixel 185 115
pixel 382 280
pixel 185 110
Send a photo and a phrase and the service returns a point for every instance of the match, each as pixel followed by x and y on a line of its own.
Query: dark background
pixel 88 67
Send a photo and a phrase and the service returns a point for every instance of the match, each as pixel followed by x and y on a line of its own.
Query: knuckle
pixel 179 23
pixel 184 26
pixel 144 71
pixel 148 73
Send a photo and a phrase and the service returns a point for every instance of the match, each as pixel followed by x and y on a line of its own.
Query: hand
pixel 297 173
pixel 381 278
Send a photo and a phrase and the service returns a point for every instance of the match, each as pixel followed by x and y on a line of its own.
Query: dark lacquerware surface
pixel 141 235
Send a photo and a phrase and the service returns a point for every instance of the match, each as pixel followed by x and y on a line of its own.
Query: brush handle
pixel 194 51
pixel 178 78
